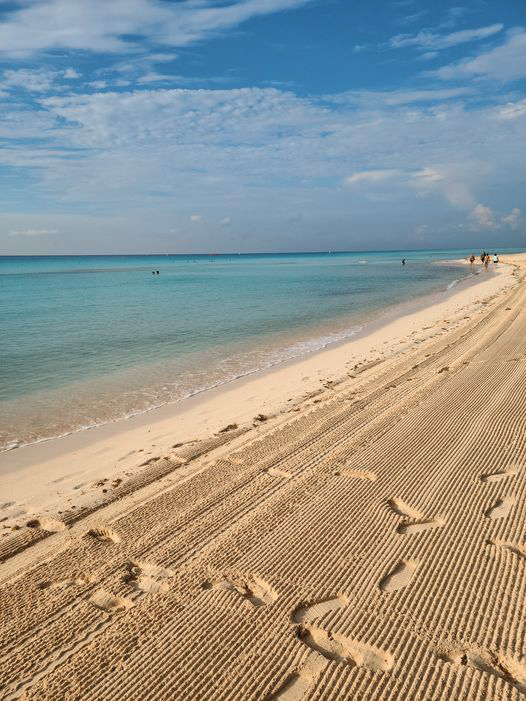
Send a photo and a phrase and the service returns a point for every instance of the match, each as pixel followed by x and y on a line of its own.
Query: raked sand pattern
pixel 372 547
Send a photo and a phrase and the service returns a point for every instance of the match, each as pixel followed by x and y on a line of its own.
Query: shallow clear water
pixel 88 339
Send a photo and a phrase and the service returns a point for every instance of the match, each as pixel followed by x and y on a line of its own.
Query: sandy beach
pixel 348 525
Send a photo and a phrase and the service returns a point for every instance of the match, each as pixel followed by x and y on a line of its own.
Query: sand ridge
pixel 284 571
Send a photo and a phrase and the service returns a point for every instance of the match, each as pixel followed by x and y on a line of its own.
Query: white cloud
pixel 154 77
pixel 514 219
pixel 259 154
pixel 71 74
pixel 428 175
pixel 483 217
pixel 505 62
pixel 381 98
pixel 429 55
pixel 512 110
pixel 226 221
pixel 98 25
pixel 430 40
pixel 28 79
pixel 35 79
pixel 372 176
pixel 446 181
pixel 32 232
pixel 196 217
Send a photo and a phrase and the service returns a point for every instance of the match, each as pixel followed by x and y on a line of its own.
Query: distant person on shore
pixel 483 256
pixel 471 260
pixel 403 261
pixel 495 259
pixel 486 261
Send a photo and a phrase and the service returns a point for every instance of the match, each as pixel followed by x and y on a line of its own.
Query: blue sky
pixel 261 125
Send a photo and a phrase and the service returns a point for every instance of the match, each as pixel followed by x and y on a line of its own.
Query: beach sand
pixel 357 532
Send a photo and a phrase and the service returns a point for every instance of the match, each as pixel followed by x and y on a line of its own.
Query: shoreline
pixel 318 339
pixel 65 471
pixel 358 328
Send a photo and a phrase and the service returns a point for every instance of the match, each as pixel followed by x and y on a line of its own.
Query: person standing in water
pixel 471 260
pixel 403 261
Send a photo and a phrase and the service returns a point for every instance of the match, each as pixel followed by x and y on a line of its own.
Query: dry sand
pixel 364 543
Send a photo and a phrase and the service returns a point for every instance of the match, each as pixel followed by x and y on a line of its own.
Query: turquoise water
pixel 89 339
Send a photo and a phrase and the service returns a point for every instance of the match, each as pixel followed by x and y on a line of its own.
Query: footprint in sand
pixel 78 581
pixel 149 578
pixel 410 528
pixel 515 548
pixel 421 524
pixel 254 590
pixel 501 508
pixel 344 650
pixel 318 609
pixel 498 476
pixel 105 601
pixel 402 509
pixel 329 647
pixel 51 525
pixel 296 686
pixel 399 577
pixel 496 664
pixel 104 534
pixel 326 647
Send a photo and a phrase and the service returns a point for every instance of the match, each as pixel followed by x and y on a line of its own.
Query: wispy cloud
pixel 378 98
pixel 32 232
pixel 38 25
pixel 504 63
pixel 372 176
pixel 513 110
pixel 35 79
pixel 432 40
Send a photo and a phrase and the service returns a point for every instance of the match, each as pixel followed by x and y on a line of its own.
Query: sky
pixel 173 126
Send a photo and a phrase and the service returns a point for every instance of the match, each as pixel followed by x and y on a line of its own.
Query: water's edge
pixel 376 319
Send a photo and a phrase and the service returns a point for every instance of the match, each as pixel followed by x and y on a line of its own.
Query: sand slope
pixel 373 547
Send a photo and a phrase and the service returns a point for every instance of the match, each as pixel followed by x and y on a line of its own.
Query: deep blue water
pixel 87 339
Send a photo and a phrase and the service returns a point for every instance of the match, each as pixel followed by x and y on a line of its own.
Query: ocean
pixel 90 339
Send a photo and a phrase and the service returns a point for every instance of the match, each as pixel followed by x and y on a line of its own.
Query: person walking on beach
pixel 483 256
pixel 486 261
pixel 471 260
pixel 495 259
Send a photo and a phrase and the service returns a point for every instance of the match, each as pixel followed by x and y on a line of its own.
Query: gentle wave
pixel 295 351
